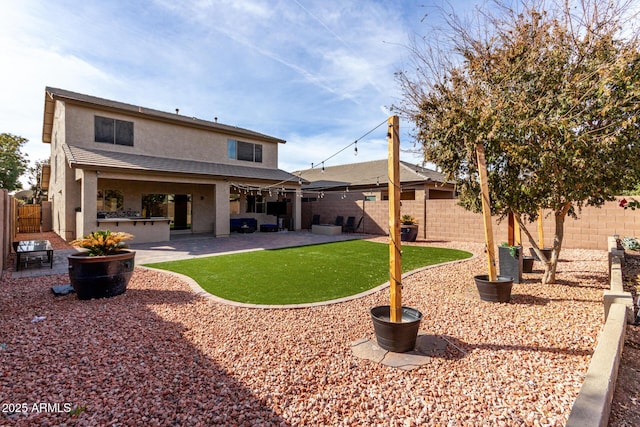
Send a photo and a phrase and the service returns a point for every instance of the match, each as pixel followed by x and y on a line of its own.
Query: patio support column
pixel 86 218
pixel 222 209
pixel 297 210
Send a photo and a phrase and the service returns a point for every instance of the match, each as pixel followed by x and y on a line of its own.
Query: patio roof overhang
pixel 114 162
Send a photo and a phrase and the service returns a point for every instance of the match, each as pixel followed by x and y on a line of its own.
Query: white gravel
pixel 160 355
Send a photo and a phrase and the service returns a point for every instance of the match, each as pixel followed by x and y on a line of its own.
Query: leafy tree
pixel 34 174
pixel 12 161
pixel 551 91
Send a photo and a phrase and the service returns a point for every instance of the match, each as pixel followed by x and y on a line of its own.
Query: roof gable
pixel 81 157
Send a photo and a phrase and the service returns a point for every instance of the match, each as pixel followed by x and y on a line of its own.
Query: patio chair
pixel 339 220
pixel 315 220
pixel 352 228
pixel 349 226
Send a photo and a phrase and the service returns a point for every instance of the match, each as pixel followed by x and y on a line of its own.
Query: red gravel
pixel 160 355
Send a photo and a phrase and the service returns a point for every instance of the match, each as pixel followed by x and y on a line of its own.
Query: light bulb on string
pixel 355 149
pixel 322 167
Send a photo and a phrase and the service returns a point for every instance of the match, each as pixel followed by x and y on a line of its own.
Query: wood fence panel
pixel 28 219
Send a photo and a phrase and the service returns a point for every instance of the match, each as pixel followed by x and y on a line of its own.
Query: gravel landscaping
pixel 160 355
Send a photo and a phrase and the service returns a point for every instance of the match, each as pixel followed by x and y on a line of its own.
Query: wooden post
pixel 540 230
pixel 486 212
pixel 395 260
pixel 518 233
pixel 511 238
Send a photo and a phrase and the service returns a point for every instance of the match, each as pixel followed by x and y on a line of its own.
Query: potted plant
pixel 527 264
pixel 511 261
pixel 408 229
pixel 104 266
pixel 545 251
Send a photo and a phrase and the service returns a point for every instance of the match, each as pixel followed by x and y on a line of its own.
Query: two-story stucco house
pixel 128 168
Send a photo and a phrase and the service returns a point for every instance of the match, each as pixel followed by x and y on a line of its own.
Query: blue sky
pixel 318 74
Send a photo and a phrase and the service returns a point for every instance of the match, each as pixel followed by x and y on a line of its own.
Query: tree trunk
pixel 550 265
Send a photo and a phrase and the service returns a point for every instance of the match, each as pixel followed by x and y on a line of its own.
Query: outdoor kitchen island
pixel 144 230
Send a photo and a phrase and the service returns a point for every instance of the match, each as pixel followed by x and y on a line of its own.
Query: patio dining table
pixel 26 248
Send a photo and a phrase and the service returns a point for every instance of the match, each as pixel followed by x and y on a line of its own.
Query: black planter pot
pixel 546 252
pixel 511 265
pixel 408 233
pixel 497 291
pixel 527 264
pixel 398 337
pixel 101 276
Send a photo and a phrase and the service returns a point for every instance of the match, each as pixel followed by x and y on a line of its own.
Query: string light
pixel 349 145
pixel 245 189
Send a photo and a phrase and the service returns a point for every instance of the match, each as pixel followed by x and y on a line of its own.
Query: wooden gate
pixel 28 219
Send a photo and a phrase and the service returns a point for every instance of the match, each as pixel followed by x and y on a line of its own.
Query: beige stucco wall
pixel 160 139
pixel 64 191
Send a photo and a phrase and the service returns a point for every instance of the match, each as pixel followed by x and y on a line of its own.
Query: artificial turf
pixel 303 274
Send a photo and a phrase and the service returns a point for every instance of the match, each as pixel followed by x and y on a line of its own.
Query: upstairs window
pixel 246 151
pixel 113 131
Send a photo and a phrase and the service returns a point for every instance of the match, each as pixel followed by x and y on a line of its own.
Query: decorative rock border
pixel 593 404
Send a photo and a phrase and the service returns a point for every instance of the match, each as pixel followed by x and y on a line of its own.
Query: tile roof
pixel 365 174
pixel 82 157
pixel 135 110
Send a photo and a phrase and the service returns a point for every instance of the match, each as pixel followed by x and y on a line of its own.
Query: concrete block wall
pixel 444 219
pixel 330 206
pixel 375 213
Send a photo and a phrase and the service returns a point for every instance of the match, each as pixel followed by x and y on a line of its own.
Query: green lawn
pixel 303 274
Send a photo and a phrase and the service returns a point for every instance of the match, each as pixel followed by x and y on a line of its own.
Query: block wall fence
pixel 445 220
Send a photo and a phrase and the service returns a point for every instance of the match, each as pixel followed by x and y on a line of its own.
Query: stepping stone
pixel 60 290
pixel 427 346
